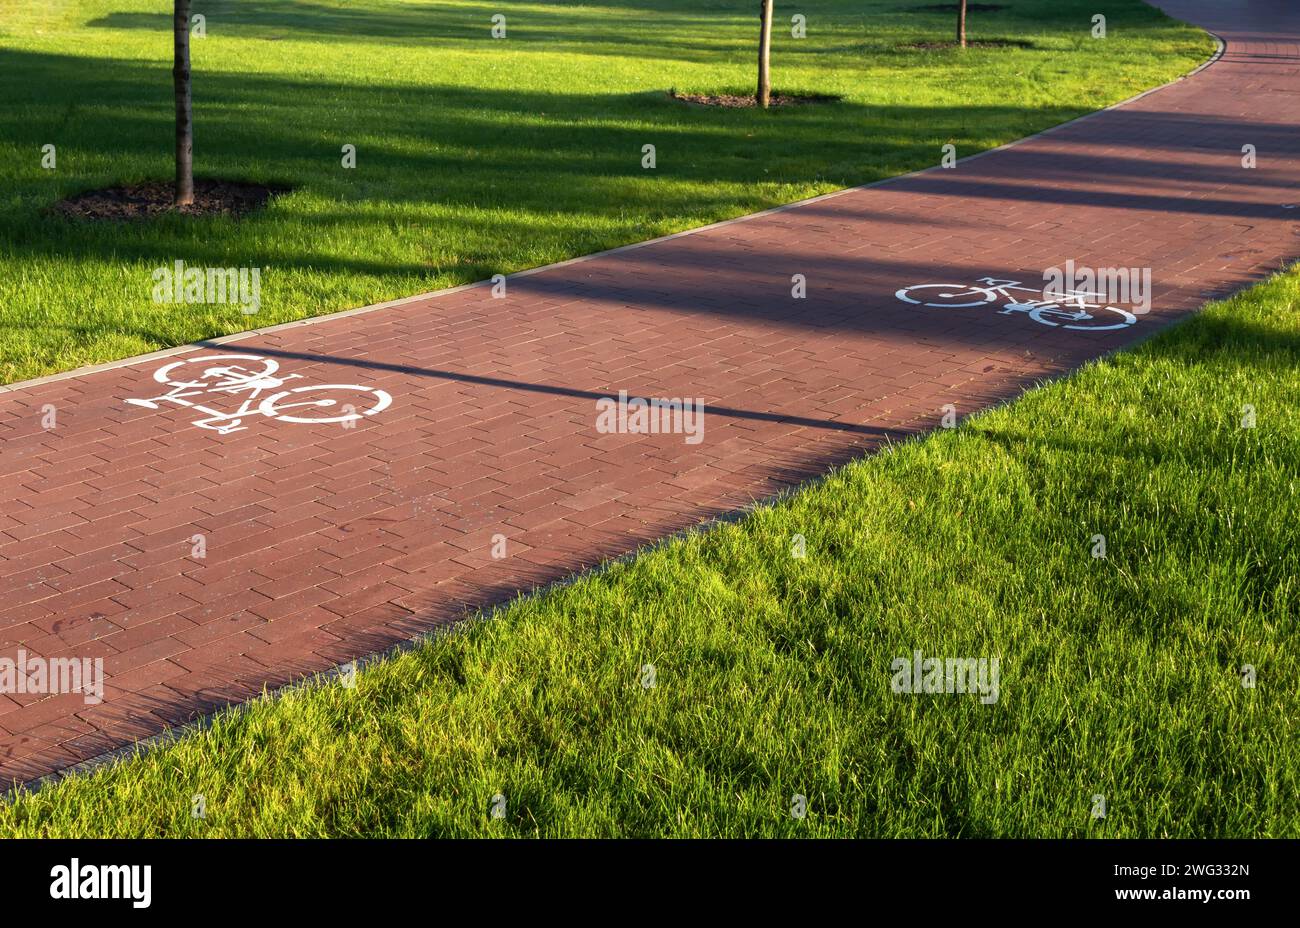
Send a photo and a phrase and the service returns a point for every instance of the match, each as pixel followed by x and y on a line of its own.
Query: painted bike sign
pixel 209 382
pixel 1072 309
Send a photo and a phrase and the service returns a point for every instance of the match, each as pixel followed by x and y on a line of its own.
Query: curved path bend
pixel 325 543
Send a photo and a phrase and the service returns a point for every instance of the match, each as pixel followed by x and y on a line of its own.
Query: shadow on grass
pixel 508 164
pixel 663 30
pixel 524 159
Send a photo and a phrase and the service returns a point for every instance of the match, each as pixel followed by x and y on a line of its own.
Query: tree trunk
pixel 184 123
pixel 765 53
pixel 961 23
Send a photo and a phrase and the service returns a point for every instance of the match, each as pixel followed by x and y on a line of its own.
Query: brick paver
pixel 324 543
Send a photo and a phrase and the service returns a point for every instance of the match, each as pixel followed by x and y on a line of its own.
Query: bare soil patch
pixel 134 202
pixel 953 7
pixel 986 43
pixel 748 100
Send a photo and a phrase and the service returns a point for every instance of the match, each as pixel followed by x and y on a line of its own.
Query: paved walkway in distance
pixel 324 543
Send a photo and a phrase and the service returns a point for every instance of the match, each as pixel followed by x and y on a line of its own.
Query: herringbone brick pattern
pixel 325 543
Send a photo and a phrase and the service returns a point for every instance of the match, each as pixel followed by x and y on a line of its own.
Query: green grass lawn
pixel 475 155
pixel 1119 676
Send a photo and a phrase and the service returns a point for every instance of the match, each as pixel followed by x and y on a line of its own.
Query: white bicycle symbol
pixel 1073 309
pixel 222 374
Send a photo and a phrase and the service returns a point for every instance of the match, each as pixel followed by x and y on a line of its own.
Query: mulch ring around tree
pixel 735 100
pixel 155 198
pixel 987 43
pixel 954 7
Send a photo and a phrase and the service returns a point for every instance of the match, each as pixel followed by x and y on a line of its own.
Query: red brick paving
pixel 326 543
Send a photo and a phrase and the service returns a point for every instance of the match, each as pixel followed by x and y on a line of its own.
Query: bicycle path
pixel 201 567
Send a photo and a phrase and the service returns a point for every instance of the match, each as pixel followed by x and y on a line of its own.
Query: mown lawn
pixel 1120 677
pixel 476 155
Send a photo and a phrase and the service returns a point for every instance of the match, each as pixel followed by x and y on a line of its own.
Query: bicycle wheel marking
pixel 211 384
pixel 1074 310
